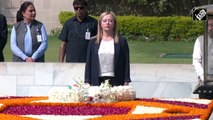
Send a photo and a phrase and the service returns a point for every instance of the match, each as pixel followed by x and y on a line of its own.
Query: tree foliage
pixel 145 7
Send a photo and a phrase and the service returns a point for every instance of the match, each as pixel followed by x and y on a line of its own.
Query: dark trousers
pixel 1 57
pixel 102 80
pixel 206 96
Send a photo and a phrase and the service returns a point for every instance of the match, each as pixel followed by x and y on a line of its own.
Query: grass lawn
pixel 150 52
pixel 140 51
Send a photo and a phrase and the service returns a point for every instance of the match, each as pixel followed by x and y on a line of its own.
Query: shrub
pixel 64 16
pixel 154 28
pixel 9 28
pixel 55 31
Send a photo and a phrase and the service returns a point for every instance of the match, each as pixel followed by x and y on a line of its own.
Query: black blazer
pixel 3 35
pixel 121 64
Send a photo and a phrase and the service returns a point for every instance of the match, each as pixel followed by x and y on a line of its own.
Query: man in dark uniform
pixel 76 34
pixel 3 35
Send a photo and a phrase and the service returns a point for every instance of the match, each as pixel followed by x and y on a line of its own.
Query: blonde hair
pixel 115 28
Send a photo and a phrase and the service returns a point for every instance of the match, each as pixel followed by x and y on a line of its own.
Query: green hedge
pixel 64 16
pixel 154 28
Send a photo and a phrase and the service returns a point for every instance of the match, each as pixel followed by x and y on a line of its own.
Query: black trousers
pixel 206 96
pixel 102 80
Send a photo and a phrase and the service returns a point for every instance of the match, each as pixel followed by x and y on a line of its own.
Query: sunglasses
pixel 31 10
pixel 76 8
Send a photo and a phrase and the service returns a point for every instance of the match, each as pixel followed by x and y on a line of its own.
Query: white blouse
pixel 106 58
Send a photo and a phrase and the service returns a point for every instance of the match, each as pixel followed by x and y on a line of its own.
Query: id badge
pixel 39 38
pixel 87 35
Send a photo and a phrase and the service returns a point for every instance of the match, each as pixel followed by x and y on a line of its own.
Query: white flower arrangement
pixel 81 92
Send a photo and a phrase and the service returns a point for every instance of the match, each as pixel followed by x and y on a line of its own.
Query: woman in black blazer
pixel 107 55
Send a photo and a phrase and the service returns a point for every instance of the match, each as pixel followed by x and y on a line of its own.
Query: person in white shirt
pixel 198 55
pixel 107 54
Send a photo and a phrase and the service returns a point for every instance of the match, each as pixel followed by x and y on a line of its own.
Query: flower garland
pixel 81 92
pixel 173 111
